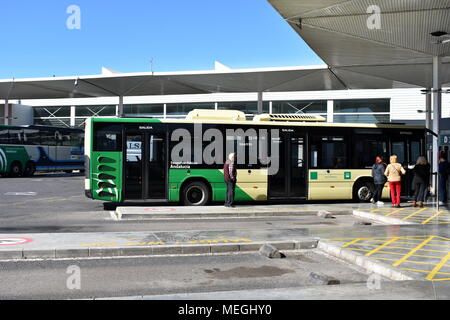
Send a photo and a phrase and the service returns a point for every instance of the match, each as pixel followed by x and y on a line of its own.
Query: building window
pixel 182 109
pixel 317 107
pixel 52 112
pixel 144 109
pixel 95 111
pixel 53 122
pixel 362 118
pixel 362 106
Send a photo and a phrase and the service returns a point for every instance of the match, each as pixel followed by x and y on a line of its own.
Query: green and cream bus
pixel 27 149
pixel 280 157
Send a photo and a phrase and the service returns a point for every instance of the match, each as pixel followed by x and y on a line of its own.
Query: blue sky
pixel 125 35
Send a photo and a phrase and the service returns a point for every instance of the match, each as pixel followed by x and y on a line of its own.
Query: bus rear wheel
pixel 195 193
pixel 363 191
pixel 16 169
pixel 30 169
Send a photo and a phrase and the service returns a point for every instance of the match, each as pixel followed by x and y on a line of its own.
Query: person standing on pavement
pixel 379 179
pixel 230 175
pixel 444 169
pixel 394 172
pixel 421 181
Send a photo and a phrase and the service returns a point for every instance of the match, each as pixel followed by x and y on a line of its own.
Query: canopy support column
pixel 260 103
pixel 120 107
pixel 429 121
pixel 437 105
pixel 6 113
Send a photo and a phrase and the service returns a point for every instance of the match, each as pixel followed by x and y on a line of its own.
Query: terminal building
pixel 404 104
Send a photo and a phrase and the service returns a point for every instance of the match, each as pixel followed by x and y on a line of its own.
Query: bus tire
pixel 195 193
pixel 363 191
pixel 16 169
pixel 30 169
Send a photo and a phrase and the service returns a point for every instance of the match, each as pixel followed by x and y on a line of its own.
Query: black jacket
pixel 378 173
pixel 422 174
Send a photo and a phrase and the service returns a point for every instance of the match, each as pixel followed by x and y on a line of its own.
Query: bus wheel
pixel 364 191
pixel 16 169
pixel 195 194
pixel 30 169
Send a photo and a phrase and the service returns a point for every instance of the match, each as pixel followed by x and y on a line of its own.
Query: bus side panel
pixel 216 180
pixel 106 170
pixel 9 154
pixel 334 184
pixel 69 158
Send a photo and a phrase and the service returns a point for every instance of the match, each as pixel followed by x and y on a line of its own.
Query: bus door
pixel 145 166
pixel 407 148
pixel 290 181
pixel 133 168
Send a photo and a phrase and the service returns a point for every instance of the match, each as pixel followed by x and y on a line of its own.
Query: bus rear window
pixel 108 137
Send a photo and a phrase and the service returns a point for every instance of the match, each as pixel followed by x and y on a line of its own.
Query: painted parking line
pixel 430 250
pixel 419 216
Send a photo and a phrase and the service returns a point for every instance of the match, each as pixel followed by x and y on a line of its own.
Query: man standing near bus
pixel 230 175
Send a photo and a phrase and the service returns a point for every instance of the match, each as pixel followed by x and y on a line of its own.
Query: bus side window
pixel 329 152
pixel 31 137
pixel 48 138
pixel 108 138
pixel 15 136
pixel 4 139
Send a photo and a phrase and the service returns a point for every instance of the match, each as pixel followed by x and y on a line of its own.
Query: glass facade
pixel 95 111
pixel 343 111
pixel 362 118
pixel 144 109
pixel 182 109
pixel 362 106
pixel 45 112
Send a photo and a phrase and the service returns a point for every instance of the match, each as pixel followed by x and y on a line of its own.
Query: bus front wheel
pixel 16 169
pixel 363 191
pixel 195 193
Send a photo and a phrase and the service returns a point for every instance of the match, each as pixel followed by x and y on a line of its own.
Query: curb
pixel 369 264
pixel 381 219
pixel 154 250
pixel 217 215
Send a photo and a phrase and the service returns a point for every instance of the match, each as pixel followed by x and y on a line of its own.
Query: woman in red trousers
pixel 394 173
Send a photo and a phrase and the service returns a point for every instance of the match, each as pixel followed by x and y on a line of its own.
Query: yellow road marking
pixel 433 217
pixel 438 267
pixel 350 243
pixel 413 214
pixel 393 212
pixel 381 247
pixel 412 252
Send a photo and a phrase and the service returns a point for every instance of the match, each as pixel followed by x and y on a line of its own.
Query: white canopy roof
pixel 400 50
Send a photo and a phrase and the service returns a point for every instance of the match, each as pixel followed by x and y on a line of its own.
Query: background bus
pixel 131 159
pixel 27 149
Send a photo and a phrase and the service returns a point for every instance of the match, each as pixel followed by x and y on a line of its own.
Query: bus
pixel 27 149
pixel 280 157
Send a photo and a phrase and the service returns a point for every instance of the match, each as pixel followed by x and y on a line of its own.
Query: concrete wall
pixel 18 114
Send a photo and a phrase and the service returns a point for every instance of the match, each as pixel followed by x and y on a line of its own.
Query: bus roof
pixel 261 123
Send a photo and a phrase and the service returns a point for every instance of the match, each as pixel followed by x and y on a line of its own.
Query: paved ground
pixel 55 203
pixel 167 275
pixel 48 214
